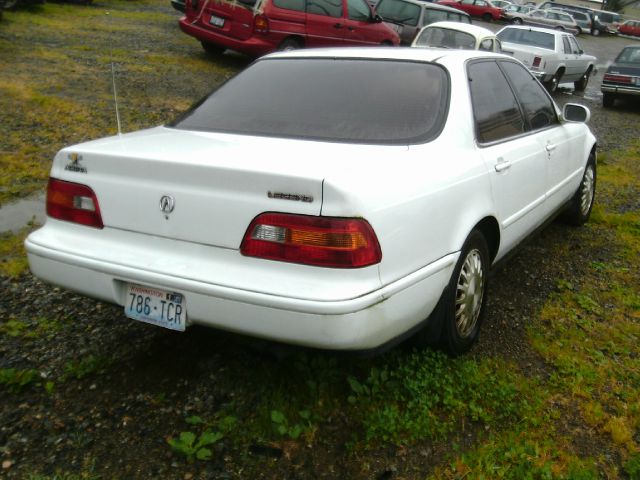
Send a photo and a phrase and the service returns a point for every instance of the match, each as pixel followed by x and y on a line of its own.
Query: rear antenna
pixel 113 82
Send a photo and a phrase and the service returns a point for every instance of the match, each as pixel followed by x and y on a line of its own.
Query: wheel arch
pixel 490 229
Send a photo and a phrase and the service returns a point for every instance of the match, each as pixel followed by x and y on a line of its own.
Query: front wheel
pixel 517 21
pixel 487 17
pixel 464 298
pixel 595 32
pixel 580 206
pixel 289 44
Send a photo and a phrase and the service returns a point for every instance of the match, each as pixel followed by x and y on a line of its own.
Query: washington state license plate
pixel 216 21
pixel 159 307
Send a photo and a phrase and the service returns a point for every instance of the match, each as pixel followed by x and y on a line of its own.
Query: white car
pixel 552 56
pixel 309 200
pixel 457 35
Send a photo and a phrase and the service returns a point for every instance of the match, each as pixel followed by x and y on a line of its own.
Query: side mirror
pixel 573 112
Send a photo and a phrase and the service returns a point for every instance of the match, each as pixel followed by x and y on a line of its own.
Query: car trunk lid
pixel 192 186
pixel 232 18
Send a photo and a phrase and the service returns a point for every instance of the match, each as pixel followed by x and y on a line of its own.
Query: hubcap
pixel 587 191
pixel 469 292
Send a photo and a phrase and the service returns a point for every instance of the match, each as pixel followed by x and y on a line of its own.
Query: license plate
pixel 159 307
pixel 216 21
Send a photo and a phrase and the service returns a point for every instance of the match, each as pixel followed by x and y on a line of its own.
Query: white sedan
pixel 310 200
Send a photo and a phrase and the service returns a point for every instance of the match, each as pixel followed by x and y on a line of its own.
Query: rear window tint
pixel 344 100
pixel 528 37
pixel 298 5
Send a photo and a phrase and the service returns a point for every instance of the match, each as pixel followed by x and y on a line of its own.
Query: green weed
pixel 92 364
pixel 17 380
pixel 194 446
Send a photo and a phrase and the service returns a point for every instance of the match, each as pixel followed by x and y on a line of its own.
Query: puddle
pixel 16 215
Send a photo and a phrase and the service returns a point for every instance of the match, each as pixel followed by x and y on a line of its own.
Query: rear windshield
pixel 629 55
pixel 445 38
pixel 345 100
pixel 527 37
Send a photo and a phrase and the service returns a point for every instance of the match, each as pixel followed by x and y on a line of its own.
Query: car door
pixel 555 139
pixel 516 161
pixel 325 23
pixel 574 66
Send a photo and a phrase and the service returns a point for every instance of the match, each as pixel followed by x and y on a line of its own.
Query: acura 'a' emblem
pixel 167 203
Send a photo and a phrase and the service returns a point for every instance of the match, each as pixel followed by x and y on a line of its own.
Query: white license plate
pixel 159 307
pixel 216 21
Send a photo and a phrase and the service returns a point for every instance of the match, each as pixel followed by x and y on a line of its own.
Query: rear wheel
pixel 487 17
pixel 581 84
pixel 608 99
pixel 579 208
pixel 212 48
pixel 552 85
pixel 517 21
pixel 464 298
pixel 290 44
pixel 595 32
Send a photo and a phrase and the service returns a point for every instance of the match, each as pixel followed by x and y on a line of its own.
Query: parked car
pixel 551 55
pixel 610 20
pixel 457 35
pixel 501 3
pixel 597 27
pixel 622 78
pixel 515 11
pixel 407 17
pixel 630 27
pixel 268 25
pixel 551 18
pixel 583 19
pixel 476 8
pixel 351 233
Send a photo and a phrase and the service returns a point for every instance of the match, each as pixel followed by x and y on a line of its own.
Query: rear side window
pixel 537 106
pixel 431 16
pixel 344 100
pixel 495 109
pixel 358 10
pixel 328 8
pixel 399 11
pixel 298 5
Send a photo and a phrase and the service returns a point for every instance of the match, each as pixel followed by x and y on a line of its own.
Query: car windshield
pixel 445 38
pixel 345 100
pixel 528 37
pixel 629 55
pixel 399 11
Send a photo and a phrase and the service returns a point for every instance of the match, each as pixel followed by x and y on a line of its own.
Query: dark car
pixel 622 78
pixel 407 17
pixel 178 5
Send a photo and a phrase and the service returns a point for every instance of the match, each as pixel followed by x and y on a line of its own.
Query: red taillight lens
pixel 608 77
pixel 536 62
pixel 73 202
pixel 261 24
pixel 321 241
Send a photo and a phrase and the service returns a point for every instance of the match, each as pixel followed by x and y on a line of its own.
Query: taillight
pixel 73 202
pixel 609 77
pixel 261 24
pixel 536 62
pixel 321 241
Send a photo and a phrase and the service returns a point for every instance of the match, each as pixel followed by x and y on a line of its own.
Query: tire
pixel 560 27
pixel 487 17
pixel 552 85
pixel 580 206
pixel 581 84
pixel 212 48
pixel 464 299
pixel 608 99
pixel 579 31
pixel 290 44
pixel 595 32
pixel 517 21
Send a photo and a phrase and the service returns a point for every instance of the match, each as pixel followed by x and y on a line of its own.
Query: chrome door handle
pixel 502 165
pixel 550 147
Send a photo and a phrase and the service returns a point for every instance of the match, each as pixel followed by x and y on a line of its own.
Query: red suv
pixel 268 25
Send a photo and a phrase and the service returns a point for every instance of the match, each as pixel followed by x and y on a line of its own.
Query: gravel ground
pixel 113 413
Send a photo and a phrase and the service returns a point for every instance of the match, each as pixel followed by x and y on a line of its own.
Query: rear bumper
pixel 253 46
pixel 620 90
pixel 363 320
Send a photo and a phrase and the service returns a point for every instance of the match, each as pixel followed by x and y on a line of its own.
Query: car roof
pixel 475 30
pixel 386 53
pixel 534 29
